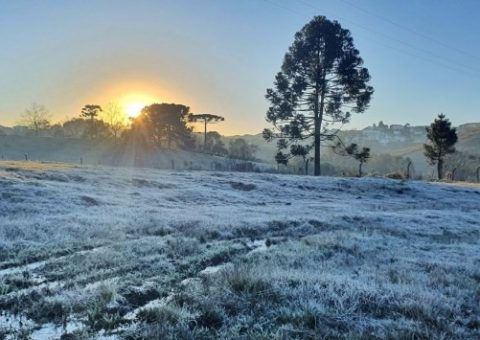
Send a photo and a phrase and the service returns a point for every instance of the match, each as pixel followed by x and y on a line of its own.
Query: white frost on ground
pixel 52 331
pixel 79 242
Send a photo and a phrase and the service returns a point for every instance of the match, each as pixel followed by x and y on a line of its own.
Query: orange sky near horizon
pixel 128 94
pixel 148 93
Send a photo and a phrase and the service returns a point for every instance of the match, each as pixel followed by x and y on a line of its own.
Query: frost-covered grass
pixel 141 253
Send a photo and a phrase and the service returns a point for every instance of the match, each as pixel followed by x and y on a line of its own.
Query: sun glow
pixel 133 109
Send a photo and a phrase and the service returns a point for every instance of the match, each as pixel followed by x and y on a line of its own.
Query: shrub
pixel 183 246
pixel 211 315
pixel 244 280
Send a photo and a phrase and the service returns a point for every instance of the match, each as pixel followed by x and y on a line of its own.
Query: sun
pixel 132 103
pixel 133 109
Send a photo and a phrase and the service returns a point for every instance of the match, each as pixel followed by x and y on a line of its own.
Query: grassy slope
pixel 123 251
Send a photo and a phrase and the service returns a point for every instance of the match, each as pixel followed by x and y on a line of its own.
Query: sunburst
pixel 133 109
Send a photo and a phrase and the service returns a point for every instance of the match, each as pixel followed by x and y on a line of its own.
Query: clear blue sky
pixel 220 56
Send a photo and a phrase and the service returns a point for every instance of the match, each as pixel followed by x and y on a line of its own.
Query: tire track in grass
pixel 40 285
pixel 10 269
pixel 79 279
pixel 55 289
pixel 35 265
pixel 248 249
pixel 96 278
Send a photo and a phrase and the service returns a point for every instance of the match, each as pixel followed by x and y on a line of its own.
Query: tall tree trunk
pixel 317 148
pixel 318 114
pixel 360 169
pixel 408 169
pixel 318 127
pixel 169 137
pixel 440 168
pixel 205 137
pixel 92 128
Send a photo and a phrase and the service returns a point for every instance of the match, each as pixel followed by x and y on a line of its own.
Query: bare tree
pixel 115 116
pixel 36 118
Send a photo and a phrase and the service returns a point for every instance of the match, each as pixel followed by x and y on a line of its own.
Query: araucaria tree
pixel 321 82
pixel 442 139
pixel 354 151
pixel 362 156
pixel 205 118
pixel 91 112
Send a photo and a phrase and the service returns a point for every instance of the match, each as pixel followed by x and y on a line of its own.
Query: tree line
pixel 158 126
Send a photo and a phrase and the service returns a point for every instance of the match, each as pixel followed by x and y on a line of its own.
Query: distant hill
pixel 394 140
pixel 405 139
pixel 469 138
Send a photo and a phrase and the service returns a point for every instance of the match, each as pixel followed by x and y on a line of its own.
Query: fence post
pixel 408 169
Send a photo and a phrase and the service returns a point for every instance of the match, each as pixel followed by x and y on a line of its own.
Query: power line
pixel 443 59
pixel 416 32
pixel 426 59
pixel 439 61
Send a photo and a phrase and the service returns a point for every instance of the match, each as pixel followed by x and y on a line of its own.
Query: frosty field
pixel 100 252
